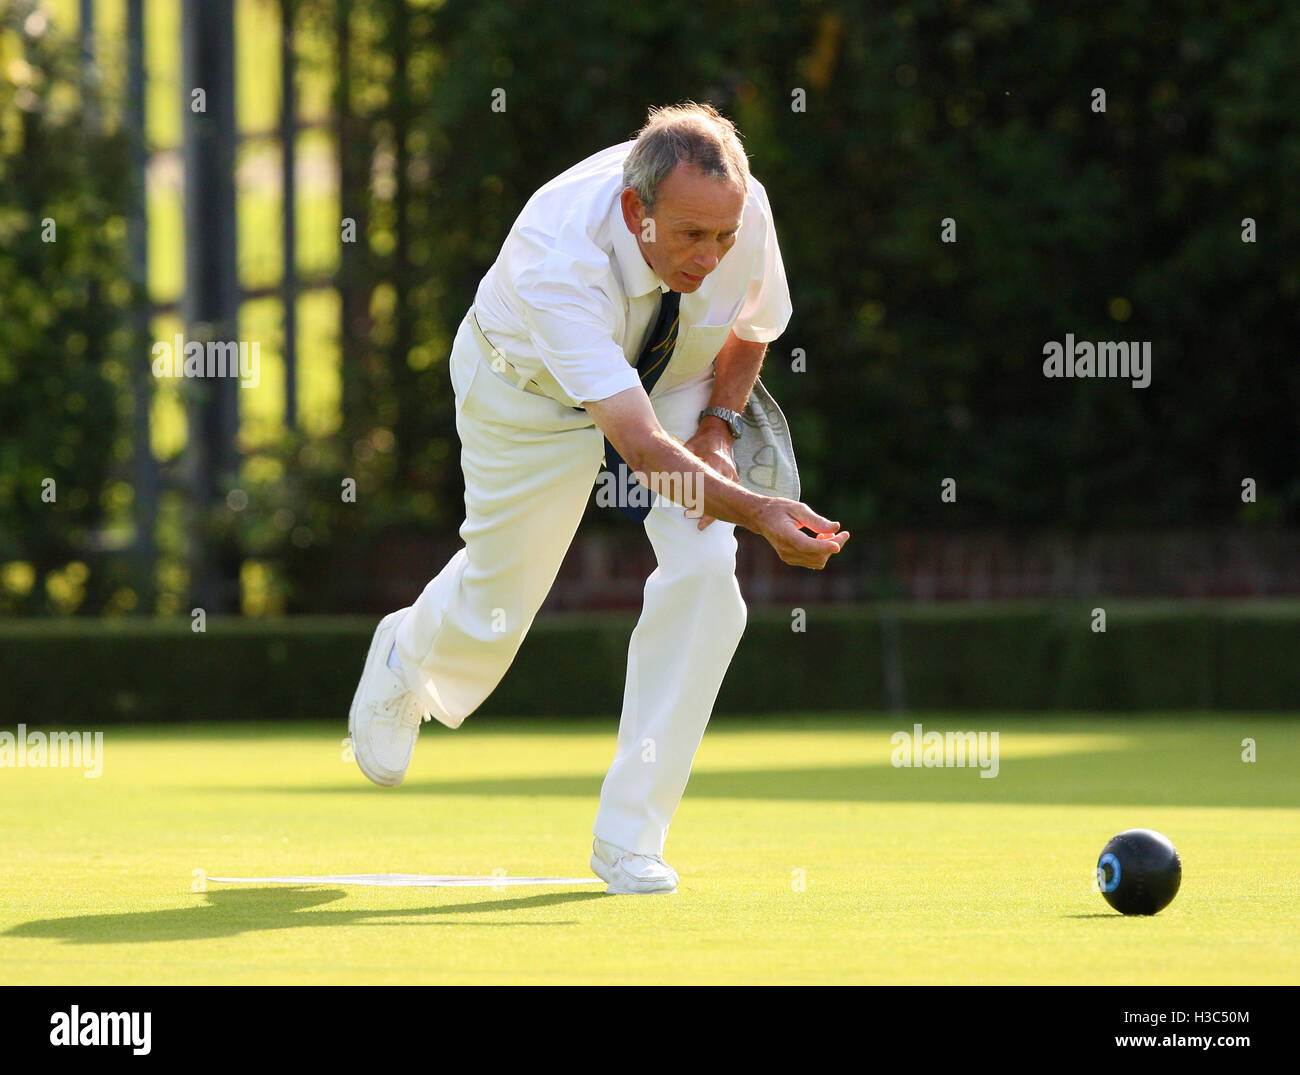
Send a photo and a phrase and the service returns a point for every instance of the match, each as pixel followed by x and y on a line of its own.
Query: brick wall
pixel 607 568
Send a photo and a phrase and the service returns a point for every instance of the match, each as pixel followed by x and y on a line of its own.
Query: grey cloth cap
pixel 764 454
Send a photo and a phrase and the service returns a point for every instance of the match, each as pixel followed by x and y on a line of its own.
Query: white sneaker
pixel 385 718
pixel 629 874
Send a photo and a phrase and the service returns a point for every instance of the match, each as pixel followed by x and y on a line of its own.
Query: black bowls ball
pixel 1139 872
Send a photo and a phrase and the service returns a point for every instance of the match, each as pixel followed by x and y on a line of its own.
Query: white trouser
pixel 530 463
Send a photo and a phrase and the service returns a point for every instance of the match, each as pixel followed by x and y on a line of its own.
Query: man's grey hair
pixel 698 134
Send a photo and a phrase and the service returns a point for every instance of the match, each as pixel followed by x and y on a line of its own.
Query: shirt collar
pixel 638 278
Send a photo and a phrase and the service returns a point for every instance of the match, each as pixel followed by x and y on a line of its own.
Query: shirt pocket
pixel 699 344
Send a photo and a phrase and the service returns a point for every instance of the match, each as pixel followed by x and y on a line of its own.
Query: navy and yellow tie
pixel 650 365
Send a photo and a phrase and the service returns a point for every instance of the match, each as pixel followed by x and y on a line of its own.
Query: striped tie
pixel 650 365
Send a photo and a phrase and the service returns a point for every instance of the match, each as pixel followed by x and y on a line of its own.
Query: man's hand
pixel 629 421
pixel 711 446
pixel 780 522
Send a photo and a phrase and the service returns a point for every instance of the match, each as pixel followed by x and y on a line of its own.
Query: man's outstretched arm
pixel 663 464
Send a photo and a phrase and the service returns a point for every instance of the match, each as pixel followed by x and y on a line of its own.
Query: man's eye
pixel 694 234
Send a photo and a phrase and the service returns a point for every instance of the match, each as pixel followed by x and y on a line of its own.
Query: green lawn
pixel 908 875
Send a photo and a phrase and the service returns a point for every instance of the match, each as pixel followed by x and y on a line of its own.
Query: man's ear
pixel 633 210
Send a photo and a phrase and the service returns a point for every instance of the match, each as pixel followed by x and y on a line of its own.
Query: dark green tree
pixel 63 341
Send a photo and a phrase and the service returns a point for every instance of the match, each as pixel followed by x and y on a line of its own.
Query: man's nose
pixel 707 262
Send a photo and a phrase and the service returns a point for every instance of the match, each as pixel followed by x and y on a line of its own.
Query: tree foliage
pixel 924 358
pixel 870 125
pixel 63 296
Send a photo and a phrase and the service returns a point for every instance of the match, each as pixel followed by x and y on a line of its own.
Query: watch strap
pixel 732 418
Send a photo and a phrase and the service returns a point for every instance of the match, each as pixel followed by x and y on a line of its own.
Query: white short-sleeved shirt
pixel 571 295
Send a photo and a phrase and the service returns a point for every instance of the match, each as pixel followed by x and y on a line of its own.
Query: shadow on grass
pixel 1210 774
pixel 1100 914
pixel 231 912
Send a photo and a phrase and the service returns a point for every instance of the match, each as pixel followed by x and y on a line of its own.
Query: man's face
pixel 695 223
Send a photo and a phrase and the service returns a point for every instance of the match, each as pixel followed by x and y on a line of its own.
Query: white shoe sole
pixel 382 777
pixel 623 888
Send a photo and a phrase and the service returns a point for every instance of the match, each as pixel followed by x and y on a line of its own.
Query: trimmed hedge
pixel 997 656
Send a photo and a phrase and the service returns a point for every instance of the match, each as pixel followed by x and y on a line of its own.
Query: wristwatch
pixel 732 418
